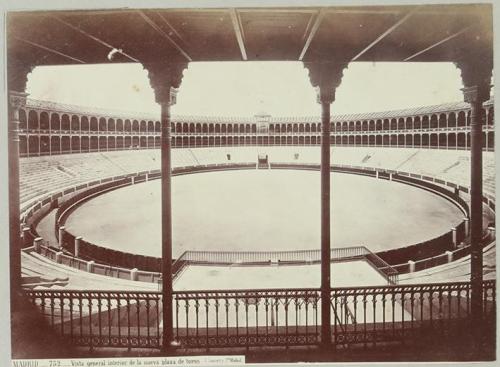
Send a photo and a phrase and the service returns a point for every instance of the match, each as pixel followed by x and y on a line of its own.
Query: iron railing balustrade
pixel 363 316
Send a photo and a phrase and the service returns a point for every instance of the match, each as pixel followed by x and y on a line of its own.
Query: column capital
pixel 165 78
pixel 476 93
pixel 17 99
pixel 325 77
pixel 17 74
pixel 476 71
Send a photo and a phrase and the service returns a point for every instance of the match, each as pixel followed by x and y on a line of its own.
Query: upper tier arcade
pixel 51 128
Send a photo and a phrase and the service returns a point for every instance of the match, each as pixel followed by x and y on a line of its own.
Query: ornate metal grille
pixel 365 316
pixel 103 318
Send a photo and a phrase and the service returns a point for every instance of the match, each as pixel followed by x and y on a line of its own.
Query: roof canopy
pixel 355 33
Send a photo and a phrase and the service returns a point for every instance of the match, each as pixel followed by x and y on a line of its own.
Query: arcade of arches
pixel 49 128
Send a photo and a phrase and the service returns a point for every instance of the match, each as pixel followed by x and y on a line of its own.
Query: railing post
pixel 466 226
pixel 454 237
pixel 37 244
pixel 26 236
pixel 449 256
pixel 78 241
pixel 133 274
pixel 61 236
pixel 90 266
pixel 492 233
pixel 411 266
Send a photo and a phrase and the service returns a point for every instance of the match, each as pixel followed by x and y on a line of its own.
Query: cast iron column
pixel 16 101
pixel 166 230
pixel 164 79
pixel 476 95
pixel 326 77
pixel 325 224
pixel 476 189
pixel 476 70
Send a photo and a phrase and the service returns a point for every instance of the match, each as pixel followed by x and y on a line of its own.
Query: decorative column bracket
pixel 325 77
pixel 17 74
pixel 165 78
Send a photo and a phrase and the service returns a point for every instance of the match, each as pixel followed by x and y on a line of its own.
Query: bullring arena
pixel 354 237
pixel 236 225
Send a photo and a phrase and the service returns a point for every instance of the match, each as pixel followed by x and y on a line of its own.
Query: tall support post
pixel 326 78
pixel 166 230
pixel 17 77
pixel 325 224
pixel 476 72
pixel 475 96
pixel 164 79
pixel 16 101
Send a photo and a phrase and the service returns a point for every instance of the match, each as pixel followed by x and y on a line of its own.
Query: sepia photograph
pixel 245 184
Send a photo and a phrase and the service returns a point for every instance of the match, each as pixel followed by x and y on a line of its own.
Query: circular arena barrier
pixel 75 251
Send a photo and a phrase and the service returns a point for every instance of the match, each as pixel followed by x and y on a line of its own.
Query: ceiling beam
pixel 317 22
pixel 308 26
pixel 167 23
pixel 278 10
pixel 446 39
pixel 385 34
pixel 101 42
pixel 45 48
pixel 165 35
pixel 238 30
pixel 359 10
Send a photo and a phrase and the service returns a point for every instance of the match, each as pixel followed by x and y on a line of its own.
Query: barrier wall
pixel 425 254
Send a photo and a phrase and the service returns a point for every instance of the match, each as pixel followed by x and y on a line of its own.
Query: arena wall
pixel 428 253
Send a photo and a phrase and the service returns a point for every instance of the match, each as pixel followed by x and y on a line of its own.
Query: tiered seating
pixel 456 271
pixel 220 155
pixel 41 175
pixel 370 157
pixel 134 162
pixel 489 173
pixel 65 276
pixel 183 157
pixel 295 155
pixel 208 156
pixel 429 163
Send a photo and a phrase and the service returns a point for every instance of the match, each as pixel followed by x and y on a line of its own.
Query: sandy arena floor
pixel 263 210
pixel 344 274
